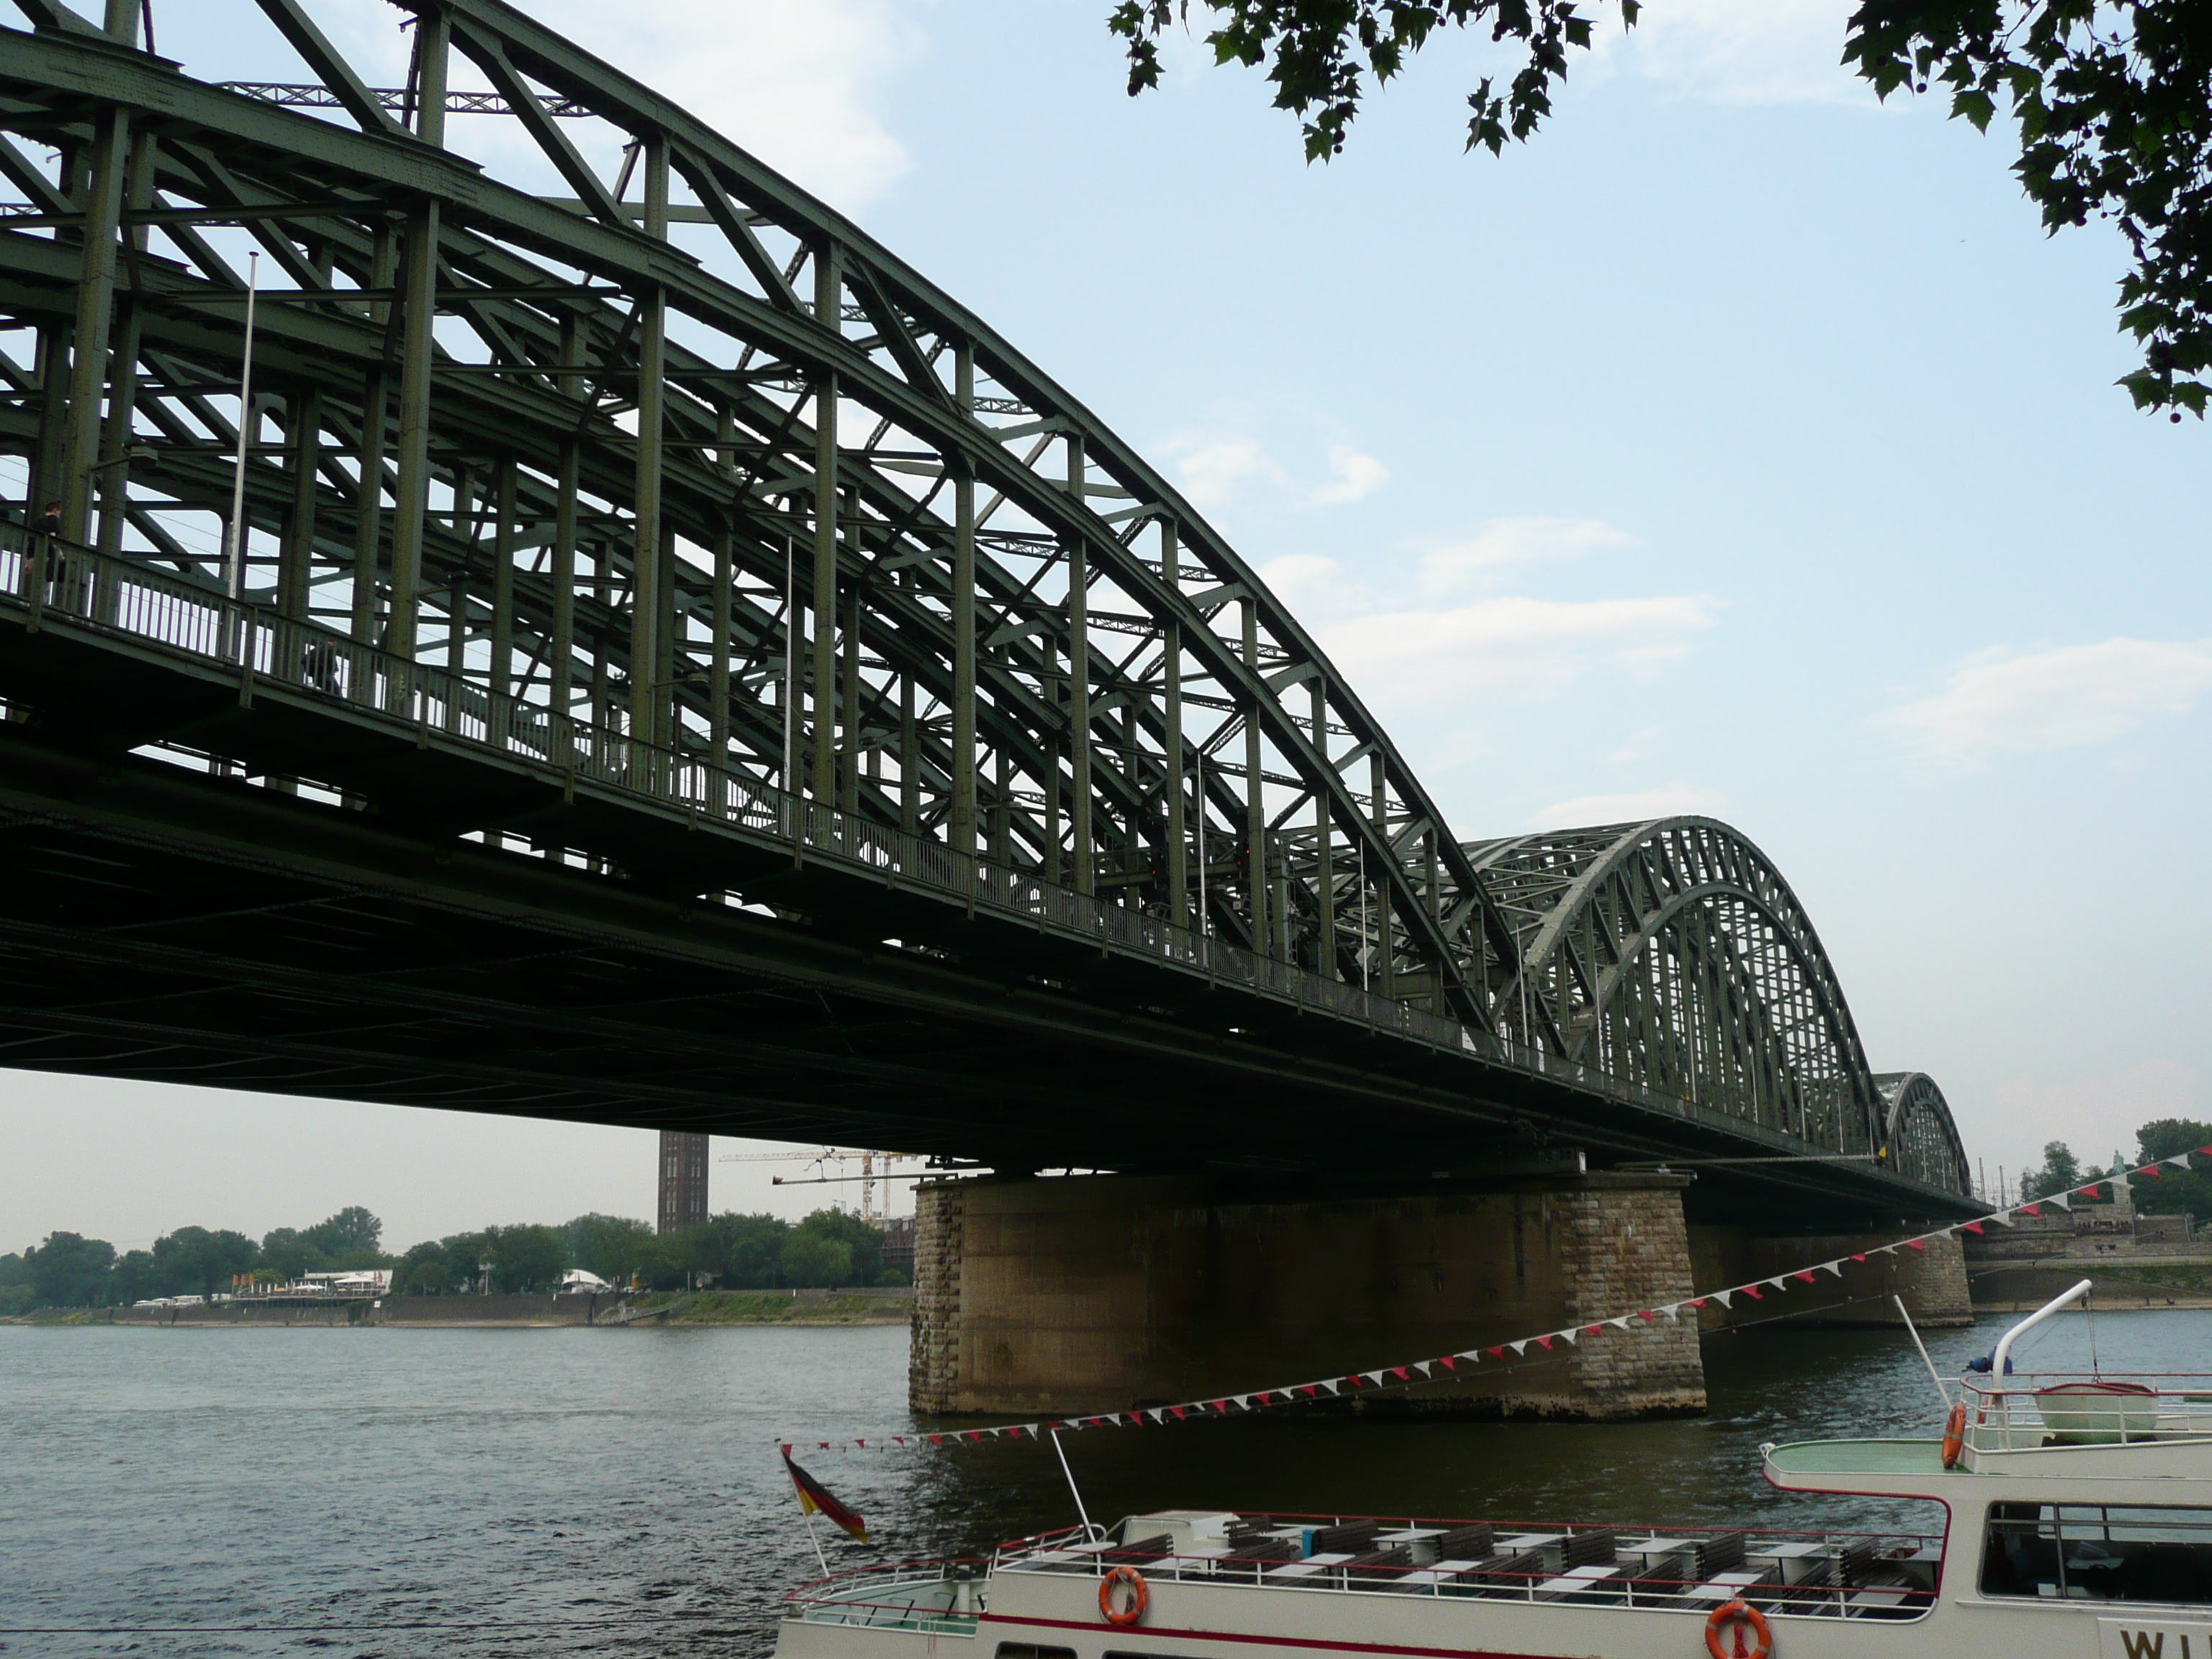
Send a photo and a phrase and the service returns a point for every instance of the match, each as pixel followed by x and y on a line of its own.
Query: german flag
pixel 814 1499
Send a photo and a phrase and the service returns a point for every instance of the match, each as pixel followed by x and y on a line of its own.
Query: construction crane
pixel 874 1165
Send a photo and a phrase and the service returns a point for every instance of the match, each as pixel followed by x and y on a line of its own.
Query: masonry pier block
pixel 1064 1296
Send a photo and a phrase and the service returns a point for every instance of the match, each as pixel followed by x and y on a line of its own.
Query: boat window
pixel 1026 1651
pixel 2098 1553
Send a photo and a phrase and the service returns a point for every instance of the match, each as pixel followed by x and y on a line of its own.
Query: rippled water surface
pixel 616 1492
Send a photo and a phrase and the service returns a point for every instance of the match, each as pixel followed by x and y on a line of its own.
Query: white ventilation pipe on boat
pixel 1998 1359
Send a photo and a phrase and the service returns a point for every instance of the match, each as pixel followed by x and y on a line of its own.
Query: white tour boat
pixel 2077 1522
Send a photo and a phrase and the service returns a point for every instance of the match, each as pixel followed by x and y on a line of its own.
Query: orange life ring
pixel 1140 1596
pixel 1954 1435
pixel 1736 1615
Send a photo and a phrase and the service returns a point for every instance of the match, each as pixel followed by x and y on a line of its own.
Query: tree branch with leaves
pixel 2113 100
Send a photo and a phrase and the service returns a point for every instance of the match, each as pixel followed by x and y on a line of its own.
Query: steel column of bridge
pixel 678 459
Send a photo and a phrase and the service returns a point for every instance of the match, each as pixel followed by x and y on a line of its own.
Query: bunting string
pixel 1491 1357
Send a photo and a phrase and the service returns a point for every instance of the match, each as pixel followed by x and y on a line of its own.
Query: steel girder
pixel 683 453
pixel 1917 1125
pixel 1013 632
pixel 1673 952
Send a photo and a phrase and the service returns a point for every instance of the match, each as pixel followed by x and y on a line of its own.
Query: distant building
pixel 899 1243
pixel 683 1180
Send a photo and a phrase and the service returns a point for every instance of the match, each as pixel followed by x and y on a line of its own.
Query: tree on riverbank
pixel 2175 1192
pixel 737 1252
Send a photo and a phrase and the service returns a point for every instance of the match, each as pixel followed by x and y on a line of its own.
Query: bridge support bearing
pixel 1932 1282
pixel 1068 1296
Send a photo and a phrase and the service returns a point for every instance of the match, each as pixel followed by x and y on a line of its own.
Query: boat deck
pixel 1828 1575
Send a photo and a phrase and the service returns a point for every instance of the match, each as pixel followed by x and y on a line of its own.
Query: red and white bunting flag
pixel 2179 1160
pixel 1622 1321
pixel 2150 1169
pixel 1721 1297
pixel 2063 1201
pixel 1803 1277
pixel 1835 1267
pixel 1753 1291
pixel 1972 1227
pixel 1573 1337
pixel 1918 1245
pixel 2035 1210
pixel 1522 1347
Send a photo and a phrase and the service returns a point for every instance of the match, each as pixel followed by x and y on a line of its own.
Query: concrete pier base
pixel 1094 1293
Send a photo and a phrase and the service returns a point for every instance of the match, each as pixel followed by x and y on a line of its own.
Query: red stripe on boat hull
pixel 1134 1633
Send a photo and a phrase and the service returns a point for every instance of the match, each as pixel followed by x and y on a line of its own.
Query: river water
pixel 606 1493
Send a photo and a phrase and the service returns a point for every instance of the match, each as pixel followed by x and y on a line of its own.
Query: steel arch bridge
pixel 649 490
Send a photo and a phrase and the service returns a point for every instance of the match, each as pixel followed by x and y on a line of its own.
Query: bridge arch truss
pixel 671 448
pixel 1673 951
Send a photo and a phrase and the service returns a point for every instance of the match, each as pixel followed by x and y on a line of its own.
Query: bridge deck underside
pixel 165 923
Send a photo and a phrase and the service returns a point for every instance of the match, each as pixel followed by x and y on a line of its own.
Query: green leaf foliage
pixel 2175 1192
pixel 70 1271
pixel 737 1252
pixel 1320 54
pixel 2059 1173
pixel 815 1259
pixel 2112 100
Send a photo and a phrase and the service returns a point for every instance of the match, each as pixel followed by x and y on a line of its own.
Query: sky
pixel 1740 445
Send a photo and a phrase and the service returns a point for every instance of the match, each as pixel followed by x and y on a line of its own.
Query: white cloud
pixel 1632 807
pixel 1213 466
pixel 1515 646
pixel 1498 543
pixel 1358 476
pixel 1313 585
pixel 1738 51
pixel 796 85
pixel 1999 703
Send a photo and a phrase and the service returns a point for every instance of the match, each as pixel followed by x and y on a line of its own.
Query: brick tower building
pixel 683 1180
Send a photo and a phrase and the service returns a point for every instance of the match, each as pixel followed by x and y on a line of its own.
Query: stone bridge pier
pixel 1057 1296
pixel 1090 1293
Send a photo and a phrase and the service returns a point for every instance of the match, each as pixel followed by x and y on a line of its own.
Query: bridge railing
pixel 179 615
pixel 47 580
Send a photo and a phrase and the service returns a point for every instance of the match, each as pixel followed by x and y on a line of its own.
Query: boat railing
pixel 2029 1412
pixel 1834 1575
pixel 944 1598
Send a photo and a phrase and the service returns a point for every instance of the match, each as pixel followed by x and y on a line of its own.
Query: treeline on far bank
pixel 736 1252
